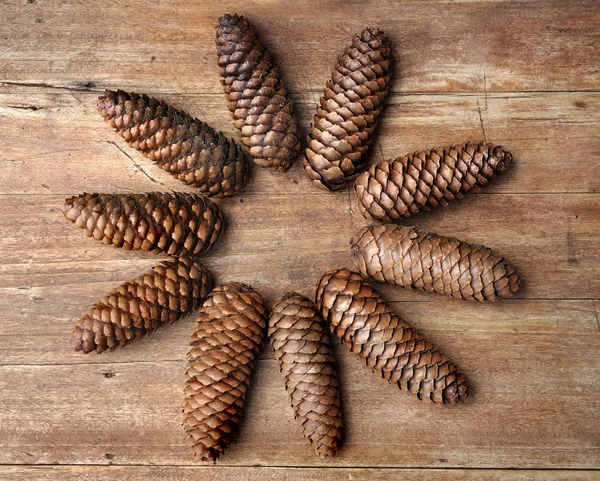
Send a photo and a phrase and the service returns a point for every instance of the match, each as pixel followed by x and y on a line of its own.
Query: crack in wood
pixel 537 119
pixel 380 150
pixel 84 87
pixel 316 93
pixel 350 211
pixel 139 167
pixel 485 92
pixel 481 121
pixel 223 466
pixel 317 193
pixel 24 107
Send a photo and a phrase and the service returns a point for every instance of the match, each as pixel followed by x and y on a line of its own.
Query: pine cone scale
pixel 258 101
pixel 370 329
pixel 178 224
pixel 135 309
pixel 421 181
pixel 410 258
pixel 179 144
pixel 224 345
pixel 349 108
pixel 303 351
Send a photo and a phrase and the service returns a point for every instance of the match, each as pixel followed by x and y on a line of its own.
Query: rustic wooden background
pixel 524 74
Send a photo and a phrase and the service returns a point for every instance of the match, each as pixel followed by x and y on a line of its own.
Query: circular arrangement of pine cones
pixel 233 319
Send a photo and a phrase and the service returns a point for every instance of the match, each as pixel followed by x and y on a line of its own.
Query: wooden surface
pixel 524 74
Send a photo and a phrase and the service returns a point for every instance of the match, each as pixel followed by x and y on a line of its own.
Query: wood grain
pixel 132 410
pixel 68 135
pixel 169 46
pixel 218 473
pixel 521 74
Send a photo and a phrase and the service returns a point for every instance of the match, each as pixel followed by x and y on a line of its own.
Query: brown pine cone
pixel 178 224
pixel 415 259
pixel 369 328
pixel 259 103
pixel 423 180
pixel 180 144
pixel 302 348
pixel 163 295
pixel 230 331
pixel 353 99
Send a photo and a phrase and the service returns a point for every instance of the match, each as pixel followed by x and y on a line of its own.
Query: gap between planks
pixel 303 467
pixel 75 89
pixel 314 193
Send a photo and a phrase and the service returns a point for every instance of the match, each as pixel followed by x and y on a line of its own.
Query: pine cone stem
pixel 259 103
pixel 349 109
pixel 163 295
pixel 415 259
pixel 183 146
pixel 303 351
pixel 178 224
pixel 421 181
pixel 230 331
pixel 369 328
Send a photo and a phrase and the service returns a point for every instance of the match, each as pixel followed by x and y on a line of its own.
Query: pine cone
pixel 303 350
pixel 421 181
pixel 180 144
pixel 259 103
pixel 177 224
pixel 411 258
pixel 344 123
pixel 163 295
pixel 230 331
pixel 370 329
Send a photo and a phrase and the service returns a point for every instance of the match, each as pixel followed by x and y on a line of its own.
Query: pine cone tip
pixel 506 285
pixel 243 287
pixel 67 208
pixel 211 454
pixel 231 19
pixel 83 340
pixel 375 37
pixel 107 102
pixel 503 159
pixel 457 392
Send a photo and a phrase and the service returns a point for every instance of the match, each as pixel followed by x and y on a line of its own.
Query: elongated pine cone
pixel 359 316
pixel 421 181
pixel 183 146
pixel 259 103
pixel 231 327
pixel 343 126
pixel 303 350
pixel 415 259
pixel 178 224
pixel 163 295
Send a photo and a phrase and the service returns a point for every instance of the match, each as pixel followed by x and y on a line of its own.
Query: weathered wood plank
pixel 535 403
pixel 549 238
pixel 169 47
pixel 55 142
pixel 218 473
pixel 36 329
pixel 523 74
